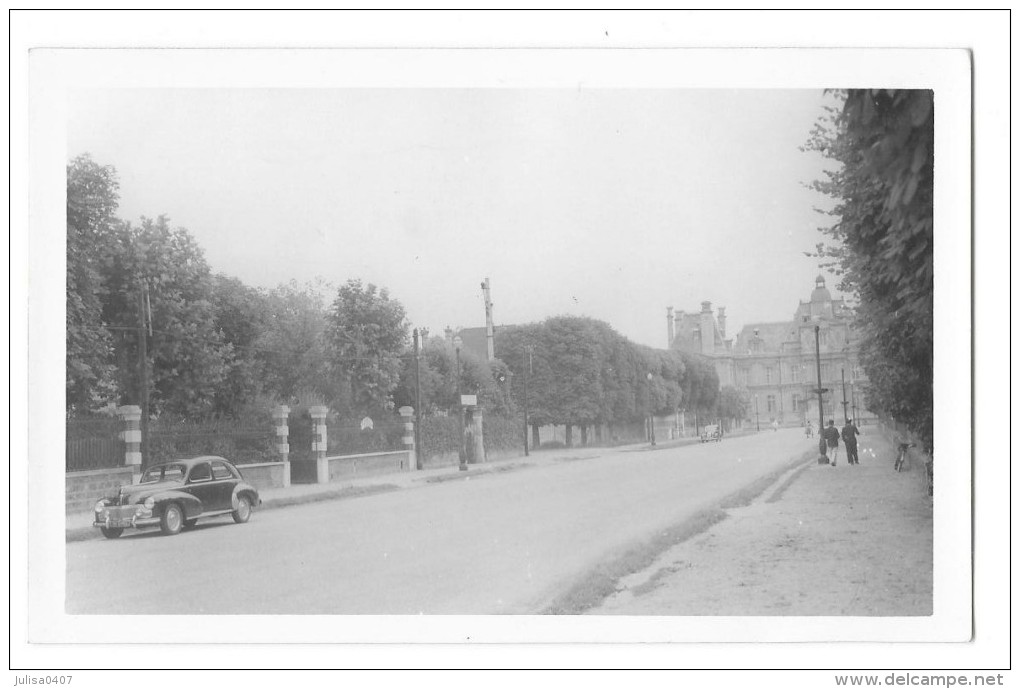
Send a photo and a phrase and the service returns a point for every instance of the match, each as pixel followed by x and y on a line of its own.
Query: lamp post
pixel 822 457
pixel 457 342
pixel 651 410
pixel 757 425
pixel 842 376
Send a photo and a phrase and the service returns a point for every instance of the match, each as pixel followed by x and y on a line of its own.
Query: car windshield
pixel 164 472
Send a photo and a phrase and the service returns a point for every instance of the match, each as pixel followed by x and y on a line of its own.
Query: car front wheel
pixel 243 511
pixel 172 520
pixel 111 531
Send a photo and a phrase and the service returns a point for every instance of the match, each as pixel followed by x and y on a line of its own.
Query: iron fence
pixel 93 444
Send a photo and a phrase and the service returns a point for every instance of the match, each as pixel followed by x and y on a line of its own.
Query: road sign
pixel 469 400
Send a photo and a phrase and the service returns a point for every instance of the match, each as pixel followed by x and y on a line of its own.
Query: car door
pixel 222 486
pixel 200 484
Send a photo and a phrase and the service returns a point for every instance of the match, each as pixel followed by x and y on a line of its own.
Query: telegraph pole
pixel 822 457
pixel 842 375
pixel 417 401
pixel 527 369
pixel 490 343
pixel 144 330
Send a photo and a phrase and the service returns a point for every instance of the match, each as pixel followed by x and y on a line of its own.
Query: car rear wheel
pixel 172 520
pixel 243 511
pixel 111 531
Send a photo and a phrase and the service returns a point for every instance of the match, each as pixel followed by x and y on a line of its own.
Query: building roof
pixel 764 337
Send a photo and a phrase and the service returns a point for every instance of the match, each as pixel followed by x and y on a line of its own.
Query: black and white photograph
pixel 500 346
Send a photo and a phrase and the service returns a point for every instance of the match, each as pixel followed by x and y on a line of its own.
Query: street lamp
pixel 822 458
pixel 757 425
pixel 651 410
pixel 457 342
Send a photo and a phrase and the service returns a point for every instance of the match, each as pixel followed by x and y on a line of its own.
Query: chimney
pixel 670 326
pixel 707 328
pixel 722 321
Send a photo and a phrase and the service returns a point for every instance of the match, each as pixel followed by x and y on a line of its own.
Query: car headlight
pixel 100 506
pixel 150 502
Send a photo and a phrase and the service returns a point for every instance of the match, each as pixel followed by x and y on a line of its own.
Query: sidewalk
pixel 844 540
pixel 79 525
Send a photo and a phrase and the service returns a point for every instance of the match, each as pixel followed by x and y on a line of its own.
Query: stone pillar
pixel 318 414
pixel 280 415
pixel 474 437
pixel 131 415
pixel 407 413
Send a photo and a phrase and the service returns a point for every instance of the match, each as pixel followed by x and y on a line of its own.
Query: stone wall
pixel 83 488
pixel 372 464
pixel 264 474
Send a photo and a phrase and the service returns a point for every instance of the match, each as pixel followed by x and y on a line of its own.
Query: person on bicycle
pixel 850 434
pixel 831 437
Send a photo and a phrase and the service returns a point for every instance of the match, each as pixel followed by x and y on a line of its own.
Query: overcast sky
pixel 607 203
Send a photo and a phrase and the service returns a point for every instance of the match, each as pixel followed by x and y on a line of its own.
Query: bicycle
pixel 902 456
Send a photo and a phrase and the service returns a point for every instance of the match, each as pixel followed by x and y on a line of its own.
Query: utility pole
pixel 144 330
pixel 417 401
pixel 526 365
pixel 842 375
pixel 490 343
pixel 822 457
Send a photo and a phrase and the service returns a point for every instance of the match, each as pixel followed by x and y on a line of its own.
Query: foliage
pixel 582 372
pixel 239 316
pixel 187 354
pixel 290 348
pixel 882 240
pixel 503 433
pixel 733 403
pixel 92 196
pixel 243 440
pixel 366 336
pixel 440 435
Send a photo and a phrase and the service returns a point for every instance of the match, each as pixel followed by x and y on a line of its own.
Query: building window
pixel 768 375
pixel 795 370
pixel 770 402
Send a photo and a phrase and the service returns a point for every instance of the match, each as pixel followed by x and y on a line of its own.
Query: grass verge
pixel 602 581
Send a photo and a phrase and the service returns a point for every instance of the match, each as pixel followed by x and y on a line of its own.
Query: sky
pixel 608 203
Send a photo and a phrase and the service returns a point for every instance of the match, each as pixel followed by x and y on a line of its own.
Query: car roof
pixel 192 461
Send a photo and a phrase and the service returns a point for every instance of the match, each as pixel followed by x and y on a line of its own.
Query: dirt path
pixel 845 540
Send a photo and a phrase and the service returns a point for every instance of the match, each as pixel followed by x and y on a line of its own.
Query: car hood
pixel 137 493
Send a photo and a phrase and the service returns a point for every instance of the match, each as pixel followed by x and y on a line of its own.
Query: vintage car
pixel 175 495
pixel 710 432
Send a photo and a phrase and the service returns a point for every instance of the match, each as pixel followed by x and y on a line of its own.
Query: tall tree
pixel 292 343
pixel 881 241
pixel 186 353
pixel 239 314
pixel 92 196
pixel 366 336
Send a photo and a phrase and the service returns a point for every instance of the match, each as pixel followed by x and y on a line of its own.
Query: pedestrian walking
pixel 808 430
pixel 831 437
pixel 775 425
pixel 850 434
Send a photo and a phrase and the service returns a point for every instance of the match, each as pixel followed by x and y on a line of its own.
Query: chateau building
pixel 776 362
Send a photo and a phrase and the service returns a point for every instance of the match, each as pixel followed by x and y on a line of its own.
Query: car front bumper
pixel 125 517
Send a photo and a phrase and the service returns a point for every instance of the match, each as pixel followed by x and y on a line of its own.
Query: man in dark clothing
pixel 850 434
pixel 831 437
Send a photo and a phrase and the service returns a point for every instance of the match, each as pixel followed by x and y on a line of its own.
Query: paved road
pixel 500 543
